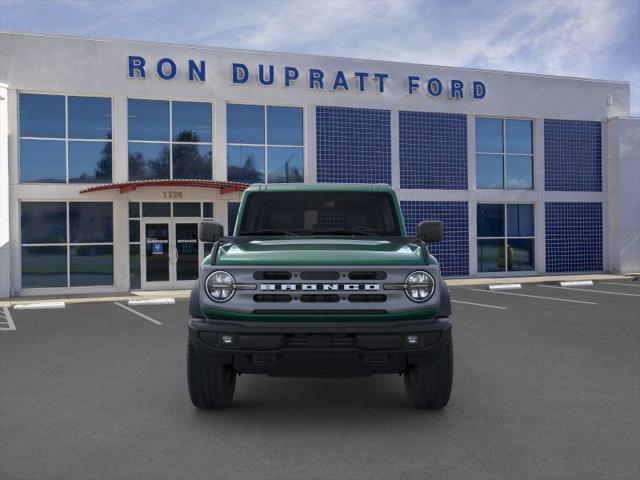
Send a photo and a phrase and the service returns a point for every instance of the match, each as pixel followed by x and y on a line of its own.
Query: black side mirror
pixel 210 231
pixel 430 231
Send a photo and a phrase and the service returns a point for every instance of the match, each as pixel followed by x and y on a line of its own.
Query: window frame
pixel 67 244
pixel 170 142
pixel 266 145
pixel 66 139
pixel 505 238
pixel 504 154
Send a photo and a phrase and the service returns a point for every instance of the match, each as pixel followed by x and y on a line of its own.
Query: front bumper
pixel 319 349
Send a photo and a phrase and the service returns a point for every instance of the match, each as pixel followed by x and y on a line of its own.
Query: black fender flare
pixel 445 301
pixel 194 301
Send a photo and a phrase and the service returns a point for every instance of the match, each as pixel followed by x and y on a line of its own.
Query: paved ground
pixel 544 388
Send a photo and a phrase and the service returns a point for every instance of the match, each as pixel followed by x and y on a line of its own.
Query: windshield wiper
pixel 269 231
pixel 346 231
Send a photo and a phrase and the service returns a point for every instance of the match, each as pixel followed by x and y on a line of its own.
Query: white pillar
pixel 623 206
pixel 5 245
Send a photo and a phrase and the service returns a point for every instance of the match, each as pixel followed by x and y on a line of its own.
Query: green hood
pixel 321 251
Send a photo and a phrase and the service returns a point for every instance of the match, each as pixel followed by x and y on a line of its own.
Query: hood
pixel 321 251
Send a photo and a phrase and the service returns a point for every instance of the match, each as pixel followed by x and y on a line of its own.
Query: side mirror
pixel 430 231
pixel 210 231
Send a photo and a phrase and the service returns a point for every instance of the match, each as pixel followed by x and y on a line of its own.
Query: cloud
pixel 589 38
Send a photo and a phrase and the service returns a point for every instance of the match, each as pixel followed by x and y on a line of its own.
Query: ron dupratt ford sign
pixel 313 78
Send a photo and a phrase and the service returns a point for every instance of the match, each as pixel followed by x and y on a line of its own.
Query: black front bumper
pixel 319 349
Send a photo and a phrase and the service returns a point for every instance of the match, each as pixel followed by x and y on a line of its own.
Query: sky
pixel 579 38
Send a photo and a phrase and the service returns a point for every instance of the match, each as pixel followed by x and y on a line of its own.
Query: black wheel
pixel 428 384
pixel 211 384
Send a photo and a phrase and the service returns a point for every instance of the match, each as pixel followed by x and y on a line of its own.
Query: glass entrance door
pixel 157 254
pixel 187 253
pixel 171 254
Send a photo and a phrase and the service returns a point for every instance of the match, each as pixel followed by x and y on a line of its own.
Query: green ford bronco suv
pixel 320 280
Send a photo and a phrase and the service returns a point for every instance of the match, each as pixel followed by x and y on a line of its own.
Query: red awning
pixel 224 187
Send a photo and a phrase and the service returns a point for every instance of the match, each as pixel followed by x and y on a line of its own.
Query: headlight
pixel 220 286
pixel 419 286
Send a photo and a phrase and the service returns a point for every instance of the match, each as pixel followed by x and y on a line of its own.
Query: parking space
pixel 546 386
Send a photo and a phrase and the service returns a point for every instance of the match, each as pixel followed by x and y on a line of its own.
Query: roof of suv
pixel 319 187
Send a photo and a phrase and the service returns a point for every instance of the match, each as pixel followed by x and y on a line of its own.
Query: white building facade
pixel 112 151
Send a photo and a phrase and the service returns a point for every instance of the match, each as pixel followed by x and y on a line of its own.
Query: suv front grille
pixel 320 341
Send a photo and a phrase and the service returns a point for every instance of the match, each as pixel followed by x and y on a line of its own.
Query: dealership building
pixel 112 151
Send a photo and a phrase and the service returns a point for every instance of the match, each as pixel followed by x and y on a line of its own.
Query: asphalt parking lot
pixel 547 385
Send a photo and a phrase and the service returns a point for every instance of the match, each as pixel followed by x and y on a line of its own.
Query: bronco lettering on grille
pixel 322 287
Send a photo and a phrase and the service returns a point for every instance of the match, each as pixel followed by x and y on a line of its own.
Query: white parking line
pixel 39 305
pixel 591 290
pixel 535 296
pixel 138 313
pixel 479 305
pixel 7 324
pixel 623 284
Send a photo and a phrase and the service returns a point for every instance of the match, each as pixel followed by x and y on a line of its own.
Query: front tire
pixel 428 384
pixel 211 384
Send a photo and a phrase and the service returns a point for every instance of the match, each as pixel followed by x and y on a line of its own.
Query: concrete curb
pixel 184 294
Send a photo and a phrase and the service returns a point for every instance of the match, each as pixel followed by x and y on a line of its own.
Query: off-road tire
pixel 211 384
pixel 428 384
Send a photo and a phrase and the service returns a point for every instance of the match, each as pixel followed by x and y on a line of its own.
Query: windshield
pixel 319 213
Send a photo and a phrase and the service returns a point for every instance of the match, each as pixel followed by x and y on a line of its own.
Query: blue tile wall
pixel 353 145
pixel 433 150
pixel 573 236
pixel 453 251
pixel 572 155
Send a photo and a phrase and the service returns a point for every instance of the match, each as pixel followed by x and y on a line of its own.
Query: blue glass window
pixel 285 165
pixel 191 122
pixel 46 223
pixel 505 243
pixel 156 209
pixel 134 266
pixel 489 135
pixel 520 220
pixel 519 136
pixel 186 209
pixel 148 161
pixel 192 161
pixel 89 117
pixel 489 171
pixel 490 220
pixel 245 124
pixel 284 126
pixel 48 161
pixel 43 222
pixel 245 164
pixel 90 162
pixel 519 172
pixel 91 222
pixel 42 161
pixel 148 119
pixel 44 267
pixel 186 155
pixel 504 153
pixel 207 210
pixel 42 115
pixel 249 156
pixel 91 265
